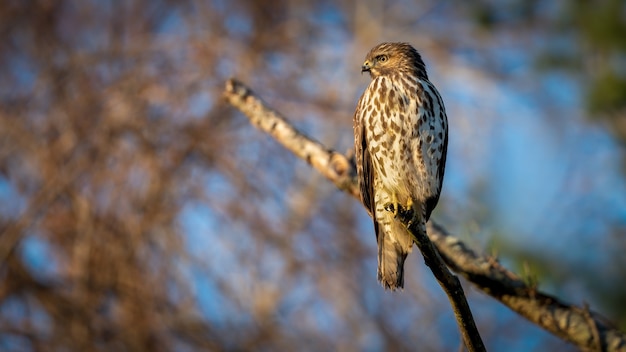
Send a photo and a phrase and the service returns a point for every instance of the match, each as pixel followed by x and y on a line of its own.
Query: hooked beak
pixel 367 66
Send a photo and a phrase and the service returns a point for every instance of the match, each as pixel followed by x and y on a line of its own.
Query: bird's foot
pixel 402 213
pixel 406 215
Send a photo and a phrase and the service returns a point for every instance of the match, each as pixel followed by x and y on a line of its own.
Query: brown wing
pixel 431 202
pixel 365 173
pixel 435 147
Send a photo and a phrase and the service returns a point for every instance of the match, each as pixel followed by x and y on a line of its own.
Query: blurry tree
pixel 583 38
pixel 138 212
pixel 585 41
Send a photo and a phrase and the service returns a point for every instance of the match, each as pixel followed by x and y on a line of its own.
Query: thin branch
pixel 12 232
pixel 335 167
pixel 575 324
pixel 578 325
pixel 448 282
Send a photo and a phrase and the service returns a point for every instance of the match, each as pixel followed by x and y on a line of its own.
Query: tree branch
pixel 448 282
pixel 578 325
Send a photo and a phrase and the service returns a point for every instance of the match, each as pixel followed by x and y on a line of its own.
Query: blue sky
pixel 546 170
pixel 550 181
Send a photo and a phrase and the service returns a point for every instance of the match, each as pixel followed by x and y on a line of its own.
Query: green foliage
pixel 584 38
pixel 553 273
pixel 601 26
pixel 607 94
pixel 601 23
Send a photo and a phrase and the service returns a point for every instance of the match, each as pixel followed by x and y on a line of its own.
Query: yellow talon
pixel 396 209
pixel 396 205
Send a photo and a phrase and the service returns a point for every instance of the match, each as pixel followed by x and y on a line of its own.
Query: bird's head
pixel 387 58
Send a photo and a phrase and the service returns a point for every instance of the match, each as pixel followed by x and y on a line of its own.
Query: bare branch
pixel 336 166
pixel 575 324
pixel 451 286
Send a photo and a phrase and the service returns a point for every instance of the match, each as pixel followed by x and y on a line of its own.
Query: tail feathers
pixel 391 257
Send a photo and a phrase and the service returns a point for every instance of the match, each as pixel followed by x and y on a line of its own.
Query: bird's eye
pixel 382 58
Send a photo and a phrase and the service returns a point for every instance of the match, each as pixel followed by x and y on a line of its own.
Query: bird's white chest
pixel 390 123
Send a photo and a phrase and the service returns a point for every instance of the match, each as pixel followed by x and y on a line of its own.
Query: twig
pixel 449 283
pixel 568 322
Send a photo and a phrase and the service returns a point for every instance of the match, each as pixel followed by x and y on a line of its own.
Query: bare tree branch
pixel 578 325
pixel 451 286
pixel 335 167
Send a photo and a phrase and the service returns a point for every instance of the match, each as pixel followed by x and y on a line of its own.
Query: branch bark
pixel 450 285
pixel 578 325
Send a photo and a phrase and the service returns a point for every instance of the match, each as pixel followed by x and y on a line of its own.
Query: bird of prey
pixel 401 140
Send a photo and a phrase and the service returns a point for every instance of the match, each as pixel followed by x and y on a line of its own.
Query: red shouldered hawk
pixel 401 140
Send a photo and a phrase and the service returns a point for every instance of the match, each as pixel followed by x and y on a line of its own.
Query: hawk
pixel 401 140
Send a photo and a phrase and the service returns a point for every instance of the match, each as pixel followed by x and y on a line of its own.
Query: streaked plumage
pixel 401 138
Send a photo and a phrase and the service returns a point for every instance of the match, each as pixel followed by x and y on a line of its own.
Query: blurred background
pixel 139 212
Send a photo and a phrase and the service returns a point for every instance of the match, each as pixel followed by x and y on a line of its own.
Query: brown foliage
pixel 138 212
pixel 113 144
